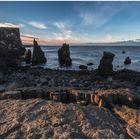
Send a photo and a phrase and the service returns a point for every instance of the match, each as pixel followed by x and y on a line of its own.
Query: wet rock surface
pixel 64 55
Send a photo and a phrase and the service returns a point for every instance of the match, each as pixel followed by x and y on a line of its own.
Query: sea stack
pixel 11 48
pixel 105 67
pixel 38 54
pixel 64 55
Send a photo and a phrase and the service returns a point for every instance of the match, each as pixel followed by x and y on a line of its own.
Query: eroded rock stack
pixel 10 47
pixel 106 68
pixel 38 54
pixel 64 55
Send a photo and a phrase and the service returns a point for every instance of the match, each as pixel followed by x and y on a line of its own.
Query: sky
pixel 73 22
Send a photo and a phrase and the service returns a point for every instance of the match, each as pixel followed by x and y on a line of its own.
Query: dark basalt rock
pixel 64 55
pixel 123 52
pixel 27 56
pixel 127 60
pixel 38 54
pixel 82 67
pixel 11 48
pixel 90 64
pixel 105 67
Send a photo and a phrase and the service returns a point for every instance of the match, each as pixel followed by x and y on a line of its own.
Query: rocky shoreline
pixel 84 90
pixel 47 103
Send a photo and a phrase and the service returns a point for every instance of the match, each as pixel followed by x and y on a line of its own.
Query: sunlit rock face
pixel 64 55
pixel 10 47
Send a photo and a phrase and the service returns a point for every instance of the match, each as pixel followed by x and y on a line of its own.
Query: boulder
pixel 11 48
pixel 61 97
pixel 38 54
pixel 64 55
pixel 105 67
pixel 123 52
pixel 127 60
pixel 111 97
pixel 27 56
pixel 82 67
pixel 90 64
pixel 10 95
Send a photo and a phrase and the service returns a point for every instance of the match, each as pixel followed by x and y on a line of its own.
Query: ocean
pixel 81 55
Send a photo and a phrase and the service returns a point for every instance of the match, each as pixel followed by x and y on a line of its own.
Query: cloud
pixel 27 38
pixel 11 25
pixel 28 35
pixel 64 32
pixel 38 25
pixel 97 14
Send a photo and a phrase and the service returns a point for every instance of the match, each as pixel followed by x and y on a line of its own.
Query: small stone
pixel 89 64
pixel 127 60
pixel 82 67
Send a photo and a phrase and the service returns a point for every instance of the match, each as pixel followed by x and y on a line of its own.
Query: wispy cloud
pixel 38 25
pixel 64 32
pixel 28 35
pixel 6 24
pixel 99 14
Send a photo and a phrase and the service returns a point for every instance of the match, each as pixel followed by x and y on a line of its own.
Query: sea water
pixel 81 55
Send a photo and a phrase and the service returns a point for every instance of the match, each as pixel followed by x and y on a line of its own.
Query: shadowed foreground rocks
pixel 76 113
pixel 46 103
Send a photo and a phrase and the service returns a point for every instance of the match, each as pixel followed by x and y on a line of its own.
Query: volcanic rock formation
pixel 106 68
pixel 38 54
pixel 10 47
pixel 64 55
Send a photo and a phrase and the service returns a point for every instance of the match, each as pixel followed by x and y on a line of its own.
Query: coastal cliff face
pixel 10 47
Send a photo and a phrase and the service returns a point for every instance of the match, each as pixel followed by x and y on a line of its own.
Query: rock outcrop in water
pixel 38 54
pixel 28 56
pixel 10 47
pixel 127 60
pixel 105 67
pixel 64 55
pixel 83 67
